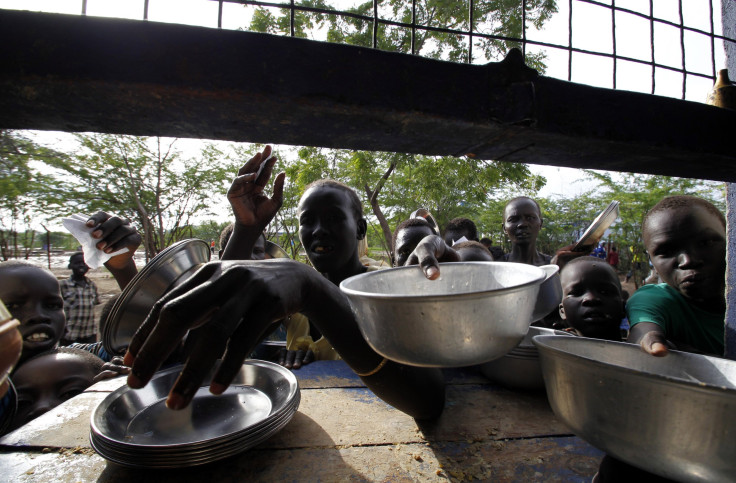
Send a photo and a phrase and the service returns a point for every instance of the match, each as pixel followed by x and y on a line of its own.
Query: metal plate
pixel 167 269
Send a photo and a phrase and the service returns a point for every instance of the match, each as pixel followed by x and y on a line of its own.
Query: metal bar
pixel 613 35
pixel 682 48
pixel 108 75
pixel 569 45
pixel 219 15
pixel 651 40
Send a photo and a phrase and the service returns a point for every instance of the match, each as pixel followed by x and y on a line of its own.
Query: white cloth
pixel 77 226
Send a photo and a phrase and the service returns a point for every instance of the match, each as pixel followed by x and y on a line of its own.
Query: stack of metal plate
pixel 133 427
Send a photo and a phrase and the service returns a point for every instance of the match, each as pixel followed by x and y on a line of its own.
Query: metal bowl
pixel 674 416
pixel 475 312
pixel 520 368
pixel 171 267
pixel 550 292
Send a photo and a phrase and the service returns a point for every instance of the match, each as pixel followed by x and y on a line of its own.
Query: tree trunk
pixel 373 200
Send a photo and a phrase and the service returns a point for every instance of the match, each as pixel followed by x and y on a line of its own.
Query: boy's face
pixel 591 299
pixel 687 247
pixel 407 240
pixel 521 221
pixel 328 228
pixel 48 381
pixel 77 266
pixel 259 249
pixel 33 297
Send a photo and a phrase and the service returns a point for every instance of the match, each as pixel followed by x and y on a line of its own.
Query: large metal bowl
pixel 171 267
pixel 520 368
pixel 475 312
pixel 550 292
pixel 674 416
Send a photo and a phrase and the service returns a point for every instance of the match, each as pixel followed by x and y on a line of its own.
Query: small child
pixel 685 237
pixel 80 297
pixel 592 301
pixel 457 228
pixel 407 236
pixel 48 379
pixel 472 251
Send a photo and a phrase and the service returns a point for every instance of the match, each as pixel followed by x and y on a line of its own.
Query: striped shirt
pixel 79 308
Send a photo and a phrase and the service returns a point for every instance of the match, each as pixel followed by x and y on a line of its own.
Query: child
pixel 472 251
pixel 457 228
pixel 241 299
pixel 80 297
pixel 32 294
pixel 522 220
pixel 592 302
pixel 685 237
pixel 48 379
pixel 407 236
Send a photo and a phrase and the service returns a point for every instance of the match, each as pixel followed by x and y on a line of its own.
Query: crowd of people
pixel 232 304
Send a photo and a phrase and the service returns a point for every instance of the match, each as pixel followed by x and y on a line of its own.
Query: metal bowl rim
pixel 542 276
pixel 103 405
pixel 131 290
pixel 541 341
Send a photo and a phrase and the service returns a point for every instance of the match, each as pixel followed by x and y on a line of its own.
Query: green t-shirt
pixel 681 321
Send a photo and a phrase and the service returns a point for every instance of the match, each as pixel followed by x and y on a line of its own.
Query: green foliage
pixel 23 192
pixel 495 18
pixel 144 179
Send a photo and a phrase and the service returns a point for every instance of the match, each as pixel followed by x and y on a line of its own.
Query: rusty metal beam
pixel 74 73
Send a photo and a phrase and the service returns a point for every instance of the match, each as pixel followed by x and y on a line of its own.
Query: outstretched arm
pixel 429 253
pixel 113 234
pixel 252 208
pixel 229 305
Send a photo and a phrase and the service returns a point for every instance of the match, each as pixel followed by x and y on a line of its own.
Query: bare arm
pixel 221 294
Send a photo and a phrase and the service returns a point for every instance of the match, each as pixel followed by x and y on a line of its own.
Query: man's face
pixel 33 297
pixel 328 228
pixel 78 267
pixel 407 240
pixel 591 299
pixel 522 221
pixel 687 247
pixel 49 380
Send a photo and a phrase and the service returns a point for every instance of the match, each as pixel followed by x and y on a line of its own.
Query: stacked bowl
pixel 133 427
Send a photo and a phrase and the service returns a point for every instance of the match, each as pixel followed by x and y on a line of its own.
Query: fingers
pixel 308 357
pixel 252 165
pixel 143 332
pixel 282 357
pixel 654 344
pixel 241 343
pixel 113 232
pixel 298 359
pixel 278 189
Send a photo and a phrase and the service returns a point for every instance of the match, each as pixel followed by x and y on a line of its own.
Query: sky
pixel 591 27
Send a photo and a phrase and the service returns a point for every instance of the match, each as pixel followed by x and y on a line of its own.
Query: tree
pixel 495 18
pixel 23 192
pixel 144 179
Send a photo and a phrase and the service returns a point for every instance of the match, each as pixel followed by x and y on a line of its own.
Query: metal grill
pixel 675 42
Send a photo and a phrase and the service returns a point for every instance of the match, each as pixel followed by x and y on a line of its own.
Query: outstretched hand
pixel 113 234
pixel 250 205
pixel 429 253
pixel 226 307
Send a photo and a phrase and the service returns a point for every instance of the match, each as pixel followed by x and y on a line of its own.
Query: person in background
pixel 406 236
pixel 457 228
pixel 522 223
pixel 612 258
pixel 599 252
pixel 80 297
pixel 472 251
